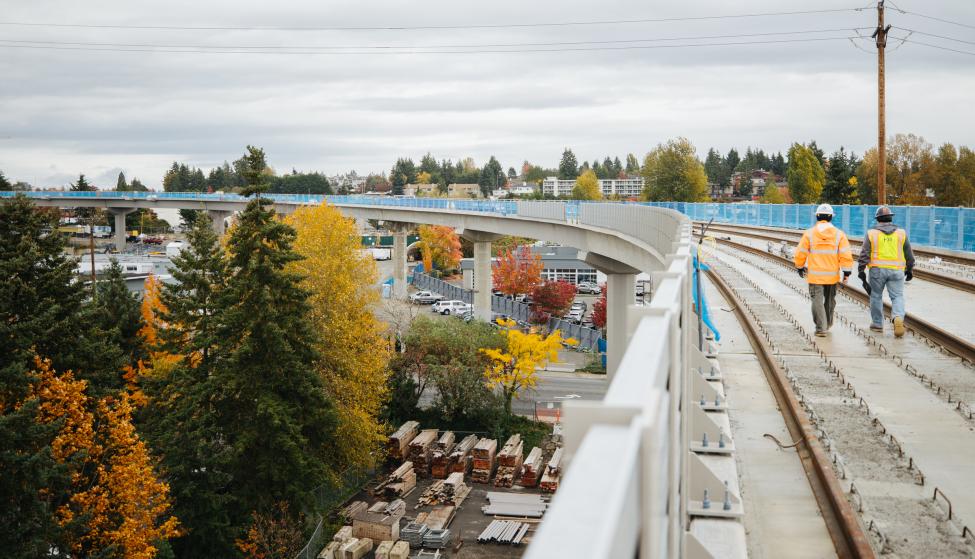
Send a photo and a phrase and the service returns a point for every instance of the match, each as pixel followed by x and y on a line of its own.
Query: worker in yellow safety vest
pixel 887 253
pixel 823 257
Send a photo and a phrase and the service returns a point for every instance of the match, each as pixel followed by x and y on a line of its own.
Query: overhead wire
pixel 422 27
pixel 418 47
pixel 926 34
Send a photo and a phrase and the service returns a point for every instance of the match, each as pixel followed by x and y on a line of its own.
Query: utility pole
pixel 880 34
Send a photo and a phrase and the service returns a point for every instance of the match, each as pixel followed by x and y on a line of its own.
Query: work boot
pixel 821 333
pixel 899 327
pixel 877 327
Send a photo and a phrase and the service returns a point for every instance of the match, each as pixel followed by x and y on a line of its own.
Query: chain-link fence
pixel 327 498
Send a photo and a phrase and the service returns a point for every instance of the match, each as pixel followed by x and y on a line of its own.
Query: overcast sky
pixel 65 112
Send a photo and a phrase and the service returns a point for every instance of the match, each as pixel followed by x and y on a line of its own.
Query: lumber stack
pixel 509 461
pixel 354 508
pixel 400 440
pixel 440 456
pixel 553 471
pixel 399 483
pixel 420 448
pixel 356 548
pixel 484 454
pixel 532 471
pixel 450 491
pixel 460 458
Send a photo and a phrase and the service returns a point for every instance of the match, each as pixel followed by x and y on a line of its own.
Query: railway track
pixel 895 505
pixel 841 521
pixel 953 344
pixel 794 237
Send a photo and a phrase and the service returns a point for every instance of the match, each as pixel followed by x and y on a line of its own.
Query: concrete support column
pixel 483 278
pixel 219 220
pixel 119 214
pixel 620 294
pixel 399 260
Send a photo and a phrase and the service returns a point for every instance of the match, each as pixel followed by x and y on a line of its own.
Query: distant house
pixel 464 190
pixel 522 190
pixel 423 189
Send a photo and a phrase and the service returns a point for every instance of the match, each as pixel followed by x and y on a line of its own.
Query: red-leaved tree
pixel 599 310
pixel 552 298
pixel 518 271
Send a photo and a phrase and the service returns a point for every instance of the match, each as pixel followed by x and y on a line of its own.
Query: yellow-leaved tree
pixel 352 342
pixel 160 362
pixel 514 368
pixel 441 247
pixel 116 506
pixel 587 187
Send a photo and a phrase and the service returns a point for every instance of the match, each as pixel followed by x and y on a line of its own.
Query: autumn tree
pixel 772 194
pixel 518 271
pixel 805 175
pixel 599 309
pixel 587 187
pixel 552 298
pixel 440 246
pixel 672 172
pixel 513 367
pixel 352 348
pixel 275 534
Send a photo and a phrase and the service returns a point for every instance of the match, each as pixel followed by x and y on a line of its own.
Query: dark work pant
pixel 823 303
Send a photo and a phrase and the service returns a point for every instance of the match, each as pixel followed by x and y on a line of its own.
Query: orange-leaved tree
pixel 115 506
pixel 277 535
pixel 441 247
pixel 513 368
pixel 552 298
pixel 160 362
pixel 518 271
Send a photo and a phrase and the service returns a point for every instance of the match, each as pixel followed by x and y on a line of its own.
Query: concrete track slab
pixel 782 518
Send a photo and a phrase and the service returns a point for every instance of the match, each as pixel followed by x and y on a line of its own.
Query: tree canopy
pixel 672 172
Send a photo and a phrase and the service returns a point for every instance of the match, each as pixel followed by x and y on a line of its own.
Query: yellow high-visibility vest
pixel 887 250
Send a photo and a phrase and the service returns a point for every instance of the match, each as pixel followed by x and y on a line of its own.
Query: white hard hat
pixel 824 209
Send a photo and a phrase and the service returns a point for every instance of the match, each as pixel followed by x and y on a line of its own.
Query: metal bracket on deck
pixel 722 502
pixel 706 394
pixel 706 436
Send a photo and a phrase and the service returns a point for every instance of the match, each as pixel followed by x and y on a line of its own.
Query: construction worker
pixel 886 251
pixel 823 257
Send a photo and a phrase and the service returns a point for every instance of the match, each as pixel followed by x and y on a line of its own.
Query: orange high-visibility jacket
pixel 825 251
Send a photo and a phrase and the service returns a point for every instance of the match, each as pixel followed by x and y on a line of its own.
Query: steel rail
pixel 953 344
pixel 926 275
pixel 841 521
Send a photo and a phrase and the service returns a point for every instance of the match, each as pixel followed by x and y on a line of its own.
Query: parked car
pixel 588 287
pixel 579 305
pixel 451 307
pixel 576 315
pixel 425 298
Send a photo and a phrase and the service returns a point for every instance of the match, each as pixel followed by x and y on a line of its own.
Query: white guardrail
pixel 625 489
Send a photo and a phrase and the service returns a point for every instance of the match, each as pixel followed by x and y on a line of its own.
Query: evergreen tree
pixel 568 166
pixel 137 186
pixel 777 164
pixel 714 166
pixel 838 189
pixel 512 173
pixel 617 167
pixel 731 162
pixel 632 164
pixel 4 183
pixel 270 405
pixel 120 184
pixel 492 176
pixel 116 315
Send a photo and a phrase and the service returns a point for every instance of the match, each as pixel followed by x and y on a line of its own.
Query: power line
pixel 405 47
pixel 421 27
pixel 948 21
pixel 916 32
pixel 395 52
pixel 905 39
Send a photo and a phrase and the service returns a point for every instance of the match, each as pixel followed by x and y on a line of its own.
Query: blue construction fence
pixel 934 226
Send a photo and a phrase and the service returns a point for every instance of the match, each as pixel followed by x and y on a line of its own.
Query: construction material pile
pixel 460 459
pixel 356 548
pixel 393 550
pixel 450 491
pixel 413 533
pixel 504 531
pixel 380 522
pixel 437 539
pixel 420 448
pixel 521 505
pixel 400 483
pixel 484 452
pixel 553 471
pixel 400 440
pixel 509 461
pixel 354 508
pixel 532 471
pixel 439 457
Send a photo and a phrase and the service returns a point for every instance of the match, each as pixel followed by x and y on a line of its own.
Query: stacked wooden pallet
pixel 399 483
pixel 553 471
pixel 509 461
pixel 460 458
pixel 484 454
pixel 420 448
pixel 532 470
pixel 400 440
pixel 450 491
pixel 442 450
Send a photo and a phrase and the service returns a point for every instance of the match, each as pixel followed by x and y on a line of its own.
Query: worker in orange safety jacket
pixel 823 257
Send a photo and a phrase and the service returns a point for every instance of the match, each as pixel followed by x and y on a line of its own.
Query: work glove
pixel 862 275
pixel 866 286
pixel 802 272
pixel 909 275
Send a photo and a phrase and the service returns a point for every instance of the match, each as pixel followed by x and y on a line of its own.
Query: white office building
pixel 630 187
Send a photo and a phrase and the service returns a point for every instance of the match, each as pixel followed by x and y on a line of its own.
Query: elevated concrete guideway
pixel 640 502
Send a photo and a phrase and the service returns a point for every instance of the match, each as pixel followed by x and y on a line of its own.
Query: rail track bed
pixel 893 416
